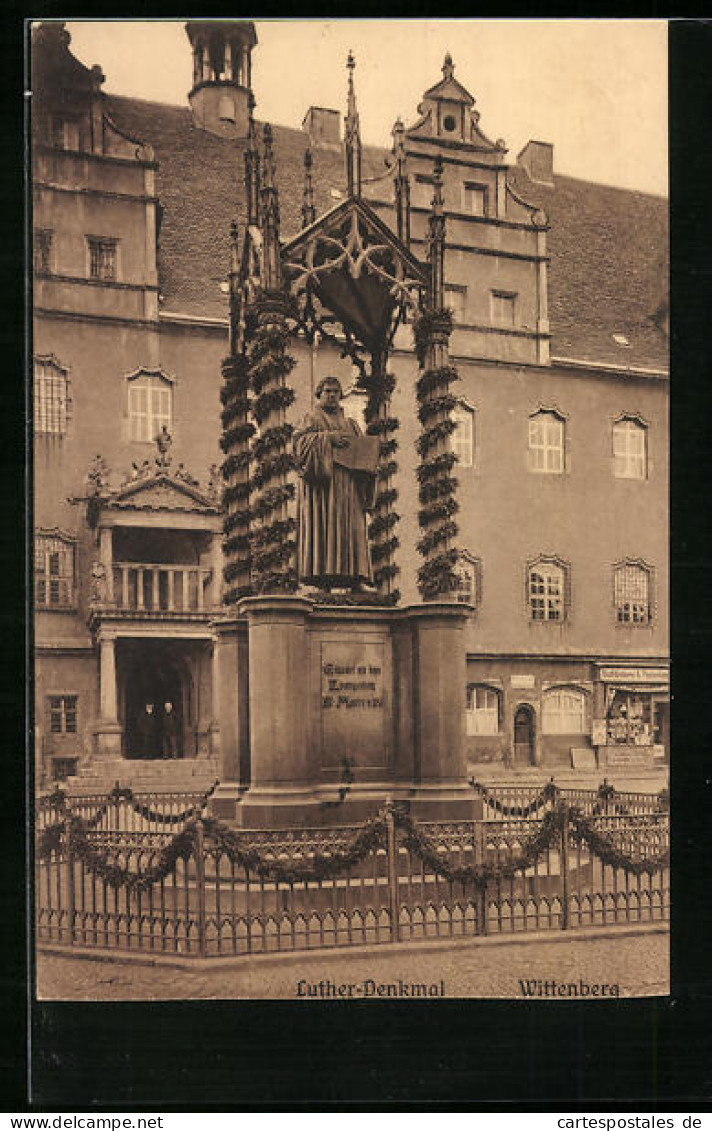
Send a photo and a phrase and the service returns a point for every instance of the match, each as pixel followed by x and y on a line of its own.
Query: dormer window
pixel 65 132
pixel 474 199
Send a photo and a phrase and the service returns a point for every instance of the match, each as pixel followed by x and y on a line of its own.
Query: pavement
pixel 627 962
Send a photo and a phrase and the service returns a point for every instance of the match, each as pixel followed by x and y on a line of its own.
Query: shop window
pixel 51 397
pixel 564 711
pixel 631 587
pixel 547 589
pixel 483 710
pixel 630 449
pixel 150 405
pixel 42 251
pixel 63 714
pixel 503 307
pixel 54 572
pixel 103 259
pixel 463 438
pixel 546 443
pixel 629 718
pixel 467 572
pixel 474 199
pixel 456 301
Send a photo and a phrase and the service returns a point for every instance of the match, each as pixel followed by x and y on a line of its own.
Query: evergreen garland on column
pixel 437 485
pixel 235 443
pixel 381 529
pixel 272 541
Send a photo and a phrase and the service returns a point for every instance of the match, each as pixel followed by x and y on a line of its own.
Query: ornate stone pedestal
pixel 328 711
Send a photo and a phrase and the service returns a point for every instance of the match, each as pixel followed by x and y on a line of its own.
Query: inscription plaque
pixel 354 679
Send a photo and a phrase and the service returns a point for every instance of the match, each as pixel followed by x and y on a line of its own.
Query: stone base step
pixel 180 776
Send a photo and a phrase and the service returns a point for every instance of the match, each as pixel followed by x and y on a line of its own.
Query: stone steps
pixel 180 776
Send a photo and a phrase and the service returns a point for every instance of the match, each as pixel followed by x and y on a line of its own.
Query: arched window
pixel 546 442
pixel 150 405
pixel 563 711
pixel 468 574
pixel 631 593
pixel 630 449
pixel 51 397
pixel 547 590
pixel 463 438
pixel 483 713
pixel 54 572
pixel 354 403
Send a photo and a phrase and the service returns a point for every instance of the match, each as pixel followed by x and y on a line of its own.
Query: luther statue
pixel 337 470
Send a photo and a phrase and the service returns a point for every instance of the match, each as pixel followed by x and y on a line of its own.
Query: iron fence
pixel 208 891
pixel 122 810
pixel 501 800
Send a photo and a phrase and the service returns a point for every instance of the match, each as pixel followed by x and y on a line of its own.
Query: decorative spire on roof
pixel 352 135
pixel 436 239
pixel 401 183
pixel 448 67
pixel 308 209
pixel 252 168
pixel 269 218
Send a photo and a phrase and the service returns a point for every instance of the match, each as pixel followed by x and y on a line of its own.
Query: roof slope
pixel 608 246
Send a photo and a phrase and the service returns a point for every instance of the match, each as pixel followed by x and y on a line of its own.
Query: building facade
pixel 558 293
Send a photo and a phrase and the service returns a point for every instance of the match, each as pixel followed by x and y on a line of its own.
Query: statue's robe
pixel 331 505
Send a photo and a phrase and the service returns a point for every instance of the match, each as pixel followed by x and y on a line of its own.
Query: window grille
pixel 54 572
pixel 630 442
pixel 463 438
pixel 631 585
pixel 42 258
pixel 482 710
pixel 63 714
pixel 102 259
pixel 150 406
pixel 563 711
pixel 546 443
pixel 546 587
pixel 50 397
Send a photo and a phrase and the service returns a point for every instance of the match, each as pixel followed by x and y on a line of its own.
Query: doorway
pixel 524 735
pixel 156 701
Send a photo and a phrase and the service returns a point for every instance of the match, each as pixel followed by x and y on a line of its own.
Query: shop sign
pixel 634 675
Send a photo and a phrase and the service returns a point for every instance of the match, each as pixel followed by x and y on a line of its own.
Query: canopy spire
pixel 353 135
pixel 308 209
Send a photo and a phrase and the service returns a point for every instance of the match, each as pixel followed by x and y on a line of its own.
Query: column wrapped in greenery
pixel 235 443
pixel 436 483
pixel 272 541
pixel 381 529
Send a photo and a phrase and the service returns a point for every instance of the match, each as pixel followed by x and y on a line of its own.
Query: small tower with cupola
pixel 222 75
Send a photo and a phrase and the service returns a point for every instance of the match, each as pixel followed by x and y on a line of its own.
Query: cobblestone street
pixel 637 963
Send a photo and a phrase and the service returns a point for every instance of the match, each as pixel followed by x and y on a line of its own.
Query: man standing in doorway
pixel 169 744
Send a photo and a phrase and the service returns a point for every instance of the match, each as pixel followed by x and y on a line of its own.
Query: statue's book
pixel 361 454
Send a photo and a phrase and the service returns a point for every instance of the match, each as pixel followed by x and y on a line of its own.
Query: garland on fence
pixel 119 793
pixel 272 548
pixel 607 851
pixel 372 835
pixel 237 432
pixel 549 793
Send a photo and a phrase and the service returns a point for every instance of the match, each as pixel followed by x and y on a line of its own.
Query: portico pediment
pixel 160 493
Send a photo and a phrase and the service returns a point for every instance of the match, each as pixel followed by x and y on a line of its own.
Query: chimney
pixel 537 160
pixel 323 127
